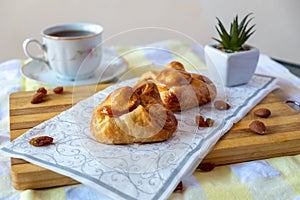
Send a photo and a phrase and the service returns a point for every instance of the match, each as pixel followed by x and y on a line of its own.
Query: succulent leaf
pixel 238 34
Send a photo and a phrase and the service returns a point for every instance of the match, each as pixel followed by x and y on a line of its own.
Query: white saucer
pixel 111 66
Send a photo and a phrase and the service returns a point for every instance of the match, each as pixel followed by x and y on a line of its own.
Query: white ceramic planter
pixel 234 68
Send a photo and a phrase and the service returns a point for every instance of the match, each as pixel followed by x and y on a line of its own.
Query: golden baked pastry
pixel 179 89
pixel 133 115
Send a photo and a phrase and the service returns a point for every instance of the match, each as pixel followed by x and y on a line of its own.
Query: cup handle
pixel 40 45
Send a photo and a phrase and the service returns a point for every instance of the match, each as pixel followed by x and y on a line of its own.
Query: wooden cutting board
pixel 238 145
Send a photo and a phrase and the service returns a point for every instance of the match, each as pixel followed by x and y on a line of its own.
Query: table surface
pixel 264 179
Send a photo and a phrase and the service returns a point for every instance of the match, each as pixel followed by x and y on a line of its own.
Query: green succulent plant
pixel 239 33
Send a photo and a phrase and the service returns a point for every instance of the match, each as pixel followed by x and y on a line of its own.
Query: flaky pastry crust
pixel 179 89
pixel 133 115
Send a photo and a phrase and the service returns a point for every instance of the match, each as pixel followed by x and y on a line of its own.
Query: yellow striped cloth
pixel 276 178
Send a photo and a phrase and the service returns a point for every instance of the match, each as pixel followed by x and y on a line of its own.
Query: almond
pixel 221 105
pixel 258 127
pixel 179 187
pixel 206 167
pixel 262 112
pixel 58 90
pixel 37 98
pixel 42 90
pixel 41 141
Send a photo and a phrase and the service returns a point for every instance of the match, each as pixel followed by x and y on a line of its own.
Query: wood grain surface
pixel 238 145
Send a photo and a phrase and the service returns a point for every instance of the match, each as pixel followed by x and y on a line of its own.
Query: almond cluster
pixel 258 126
pixel 202 121
pixel 41 94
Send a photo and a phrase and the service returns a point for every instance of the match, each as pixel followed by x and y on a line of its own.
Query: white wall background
pixel 277 21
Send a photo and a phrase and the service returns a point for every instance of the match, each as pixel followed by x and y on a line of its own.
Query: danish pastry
pixel 133 115
pixel 179 89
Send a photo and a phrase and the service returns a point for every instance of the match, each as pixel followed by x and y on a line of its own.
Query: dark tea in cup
pixel 71 33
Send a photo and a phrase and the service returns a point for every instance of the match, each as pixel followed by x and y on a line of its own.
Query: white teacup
pixel 72 51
